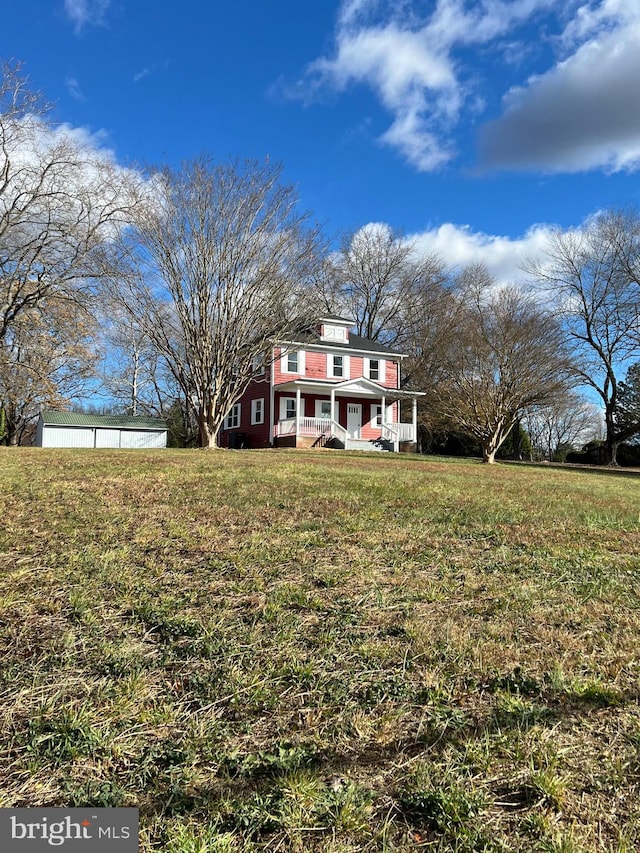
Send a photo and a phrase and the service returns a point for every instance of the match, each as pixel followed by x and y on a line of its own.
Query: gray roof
pixel 117 421
pixel 335 318
pixel 355 343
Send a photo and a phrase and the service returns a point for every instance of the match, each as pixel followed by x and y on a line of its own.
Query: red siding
pixel 356 367
pixel 316 367
pixel 257 434
pixel 391 374
pixel 278 374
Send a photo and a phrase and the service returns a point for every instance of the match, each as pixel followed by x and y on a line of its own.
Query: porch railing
pixel 326 428
pixel 319 427
pixel 398 432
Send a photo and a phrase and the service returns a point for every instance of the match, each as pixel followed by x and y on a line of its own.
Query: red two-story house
pixel 326 388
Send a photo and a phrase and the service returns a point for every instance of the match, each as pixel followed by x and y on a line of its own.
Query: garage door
pixel 107 438
pixel 139 439
pixel 59 436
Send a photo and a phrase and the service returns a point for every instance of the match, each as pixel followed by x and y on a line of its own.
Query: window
pixel 293 361
pixel 258 364
pixel 374 369
pixel 334 333
pixel 338 366
pixel 323 409
pixel 287 408
pixel 232 420
pixel 257 411
pixel 376 415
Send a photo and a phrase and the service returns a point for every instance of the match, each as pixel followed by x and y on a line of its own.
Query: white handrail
pixel 314 426
pixel 405 432
pixel 398 431
pixel 304 426
pixel 327 428
pixel 339 432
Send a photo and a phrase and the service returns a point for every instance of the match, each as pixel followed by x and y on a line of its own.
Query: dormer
pixel 335 329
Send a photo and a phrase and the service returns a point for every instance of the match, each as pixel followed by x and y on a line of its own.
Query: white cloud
pixel 582 114
pixel 425 63
pixel 505 258
pixel 149 70
pixel 146 72
pixel 407 58
pixel 74 90
pixel 83 13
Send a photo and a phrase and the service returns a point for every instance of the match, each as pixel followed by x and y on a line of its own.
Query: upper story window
pixel 293 361
pixel 334 333
pixel 375 369
pixel 338 366
pixel 258 364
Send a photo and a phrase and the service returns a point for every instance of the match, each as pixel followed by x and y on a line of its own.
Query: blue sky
pixel 471 125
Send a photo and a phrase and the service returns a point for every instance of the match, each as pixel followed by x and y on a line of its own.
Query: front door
pixel 354 419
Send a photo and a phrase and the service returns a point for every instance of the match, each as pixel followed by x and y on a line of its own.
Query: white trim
pixel 234 412
pixel 381 370
pixel 284 361
pixel 272 400
pixel 312 347
pixel 345 366
pixel 338 332
pixel 358 431
pixel 359 386
pixel 257 411
pixel 283 408
pixel 319 405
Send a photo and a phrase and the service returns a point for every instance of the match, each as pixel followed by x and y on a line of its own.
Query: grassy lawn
pixel 292 651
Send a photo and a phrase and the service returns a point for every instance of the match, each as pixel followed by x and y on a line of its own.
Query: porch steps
pixel 365 444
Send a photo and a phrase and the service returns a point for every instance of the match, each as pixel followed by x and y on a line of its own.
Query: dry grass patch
pixel 323 651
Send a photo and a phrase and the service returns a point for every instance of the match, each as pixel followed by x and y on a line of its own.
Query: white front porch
pixel 338 419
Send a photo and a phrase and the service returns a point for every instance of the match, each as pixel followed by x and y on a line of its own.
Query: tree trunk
pixel 491 445
pixel 206 433
pixel 9 427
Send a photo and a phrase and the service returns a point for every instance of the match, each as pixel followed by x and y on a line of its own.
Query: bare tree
pixel 59 201
pixel 46 361
pixel 374 279
pixel 214 270
pixel 565 424
pixel 133 375
pixel 593 276
pixel 506 358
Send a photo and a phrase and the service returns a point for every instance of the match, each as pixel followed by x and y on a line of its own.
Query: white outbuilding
pixel 70 429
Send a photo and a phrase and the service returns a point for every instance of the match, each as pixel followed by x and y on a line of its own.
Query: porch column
pixel 383 415
pixel 333 405
pixel 298 415
pixel 414 418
